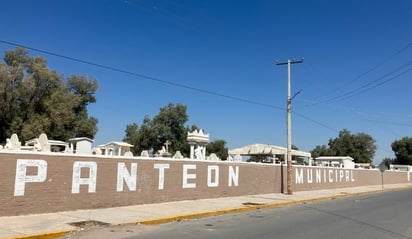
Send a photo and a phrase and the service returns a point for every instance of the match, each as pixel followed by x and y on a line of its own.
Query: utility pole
pixel 289 126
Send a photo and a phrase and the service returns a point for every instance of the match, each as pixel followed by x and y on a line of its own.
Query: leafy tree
pixel 403 150
pixel 321 150
pixel 219 148
pixel 387 162
pixel 168 125
pixel 359 146
pixel 83 90
pixel 142 138
pixel 35 100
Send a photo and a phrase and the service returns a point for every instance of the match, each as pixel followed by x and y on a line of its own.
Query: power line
pixel 371 84
pixel 380 83
pixel 145 76
pixel 388 122
pixel 316 122
pixel 342 96
pixel 138 75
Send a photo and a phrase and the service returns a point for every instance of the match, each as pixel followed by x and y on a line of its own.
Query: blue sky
pixel 356 73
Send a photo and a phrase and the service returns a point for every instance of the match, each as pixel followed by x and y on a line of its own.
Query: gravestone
pixel 144 153
pixel 128 154
pixel 15 143
pixel 213 157
pixel 178 155
pixel 44 143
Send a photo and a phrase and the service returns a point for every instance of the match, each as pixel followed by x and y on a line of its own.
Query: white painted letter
pixel 210 169
pixel 330 175
pixel 299 176
pixel 309 175
pixel 351 175
pixel 129 178
pixel 161 167
pixel 318 176
pixel 340 175
pixel 77 180
pixel 336 175
pixel 21 174
pixel 187 176
pixel 233 176
pixel 347 176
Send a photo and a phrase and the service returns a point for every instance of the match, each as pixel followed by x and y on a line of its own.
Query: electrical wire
pixel 370 85
pixel 138 75
pixel 353 93
pixel 142 76
pixel 315 122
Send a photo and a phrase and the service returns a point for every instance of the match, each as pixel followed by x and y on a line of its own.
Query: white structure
pixel 43 144
pixel 335 161
pixel 114 148
pixel 400 167
pixel 199 139
pixel 213 157
pixel 178 155
pixel 145 153
pixel 81 145
pixel 13 143
pixel 265 150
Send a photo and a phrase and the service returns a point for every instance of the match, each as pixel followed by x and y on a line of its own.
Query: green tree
pixel 83 89
pixel 142 138
pixel 322 150
pixel 359 146
pixel 403 150
pixel 168 125
pixel 35 100
pixel 387 162
pixel 218 147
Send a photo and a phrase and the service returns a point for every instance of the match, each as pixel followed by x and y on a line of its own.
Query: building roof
pixel 116 143
pixel 74 140
pixel 266 149
pixel 333 158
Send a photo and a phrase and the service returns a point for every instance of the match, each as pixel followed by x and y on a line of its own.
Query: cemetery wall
pixel 39 183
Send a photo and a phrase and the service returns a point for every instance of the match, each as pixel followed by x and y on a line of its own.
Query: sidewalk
pixel 53 225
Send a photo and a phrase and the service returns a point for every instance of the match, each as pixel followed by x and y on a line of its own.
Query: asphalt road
pixel 380 215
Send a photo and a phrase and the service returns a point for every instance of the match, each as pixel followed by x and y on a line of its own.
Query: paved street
pixel 379 215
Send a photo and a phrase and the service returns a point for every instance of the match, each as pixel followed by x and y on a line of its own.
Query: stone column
pixel 204 152
pixel 192 151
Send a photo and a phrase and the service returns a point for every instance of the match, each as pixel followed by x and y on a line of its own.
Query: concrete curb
pixel 47 235
pixel 249 208
pixel 161 220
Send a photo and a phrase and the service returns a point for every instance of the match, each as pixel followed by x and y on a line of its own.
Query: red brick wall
pixel 54 192
pixel 314 178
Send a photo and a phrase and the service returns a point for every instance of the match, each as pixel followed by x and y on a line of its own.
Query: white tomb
pixel 43 144
pixel 81 145
pixel 13 143
pixel 199 139
pixel 114 148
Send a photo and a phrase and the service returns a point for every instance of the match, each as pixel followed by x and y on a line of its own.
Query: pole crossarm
pixel 289 61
